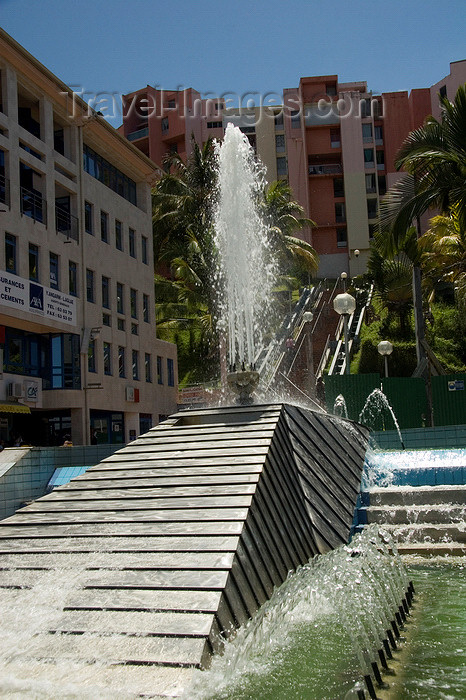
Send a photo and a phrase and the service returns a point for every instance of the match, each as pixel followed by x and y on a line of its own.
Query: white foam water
pixel 246 269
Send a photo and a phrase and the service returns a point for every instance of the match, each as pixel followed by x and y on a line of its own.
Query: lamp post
pixel 344 304
pixel 385 349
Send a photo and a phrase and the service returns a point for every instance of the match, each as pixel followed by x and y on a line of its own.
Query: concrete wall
pixel 25 472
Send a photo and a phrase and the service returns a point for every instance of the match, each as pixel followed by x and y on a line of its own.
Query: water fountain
pixel 376 404
pixel 246 274
pixel 168 547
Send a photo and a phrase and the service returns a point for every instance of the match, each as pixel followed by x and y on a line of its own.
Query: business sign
pixel 191 395
pixel 31 391
pixel 21 294
pixel 456 385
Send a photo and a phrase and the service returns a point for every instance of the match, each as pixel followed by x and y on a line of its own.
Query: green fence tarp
pixel 449 399
pixel 355 388
pixel 408 398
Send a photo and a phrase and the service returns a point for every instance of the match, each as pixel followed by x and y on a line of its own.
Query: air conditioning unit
pixel 15 390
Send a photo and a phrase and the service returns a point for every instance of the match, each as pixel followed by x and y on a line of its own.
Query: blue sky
pixel 238 46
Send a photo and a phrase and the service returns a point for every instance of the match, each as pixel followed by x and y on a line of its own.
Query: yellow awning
pixel 13 407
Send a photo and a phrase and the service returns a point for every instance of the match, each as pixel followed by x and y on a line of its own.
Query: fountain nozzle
pixel 243 385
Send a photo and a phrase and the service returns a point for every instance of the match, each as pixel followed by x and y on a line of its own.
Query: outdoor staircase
pixel 424 520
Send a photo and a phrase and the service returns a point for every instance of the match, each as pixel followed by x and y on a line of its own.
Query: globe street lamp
pixel 345 305
pixel 385 349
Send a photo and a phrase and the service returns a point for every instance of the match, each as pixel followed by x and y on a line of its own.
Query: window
pixel 134 303
pixel 89 218
pixel 91 357
pixel 120 298
pixel 171 104
pixel 59 141
pixel 72 278
pixel 295 119
pixel 443 91
pixel 382 180
pixel 135 364
pixel 107 358
pixel 132 242
pixel 372 230
pixel 214 125
pixel 134 329
pixel 104 226
pixel 170 372
pixel 335 138
pixel 331 90
pixel 159 370
pixel 280 143
pixel 105 292
pixel 145 308
pixel 372 208
pixel 105 172
pixel 90 287
pixel 368 158
pixel 281 166
pixel 367 133
pixel 121 324
pixel 164 124
pixel 278 120
pixel 118 235
pixel 338 187
pixel 121 362
pixel 370 184
pixel 33 262
pixel 106 320
pixel 378 134
pixel 54 271
pixel 10 253
pixel 148 367
pixel 144 249
pixel 64 368
pixel 342 238
pixel 380 157
pixel 340 214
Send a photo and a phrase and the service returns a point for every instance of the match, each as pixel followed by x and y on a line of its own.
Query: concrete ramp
pixel 132 574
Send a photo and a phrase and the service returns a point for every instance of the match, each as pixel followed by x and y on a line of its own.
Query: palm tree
pixel 434 158
pixel 285 217
pixel 182 206
pixel 443 249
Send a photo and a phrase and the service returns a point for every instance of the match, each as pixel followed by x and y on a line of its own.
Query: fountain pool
pixel 311 656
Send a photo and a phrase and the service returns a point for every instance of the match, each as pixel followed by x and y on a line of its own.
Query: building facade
pixel 77 326
pixel 336 143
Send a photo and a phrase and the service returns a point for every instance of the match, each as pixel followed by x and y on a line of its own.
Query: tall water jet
pixel 246 267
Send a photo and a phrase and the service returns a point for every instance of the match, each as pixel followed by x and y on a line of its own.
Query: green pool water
pixel 313 659
pixel 433 663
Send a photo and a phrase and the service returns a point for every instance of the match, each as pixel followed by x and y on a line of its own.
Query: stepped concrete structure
pixel 134 574
pixel 423 520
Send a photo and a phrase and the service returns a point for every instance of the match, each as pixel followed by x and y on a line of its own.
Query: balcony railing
pixel 66 223
pixel 4 190
pixel 33 205
pixel 139 134
pixel 330 169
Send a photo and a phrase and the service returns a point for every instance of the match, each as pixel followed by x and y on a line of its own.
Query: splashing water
pixel 376 404
pixel 339 407
pixel 246 271
pixel 331 614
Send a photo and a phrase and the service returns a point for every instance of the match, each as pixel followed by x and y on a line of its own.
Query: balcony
pixel 329 169
pixel 139 134
pixel 33 205
pixel 66 223
pixel 4 190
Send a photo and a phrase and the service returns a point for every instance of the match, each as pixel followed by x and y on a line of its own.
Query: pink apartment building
pixel 336 143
